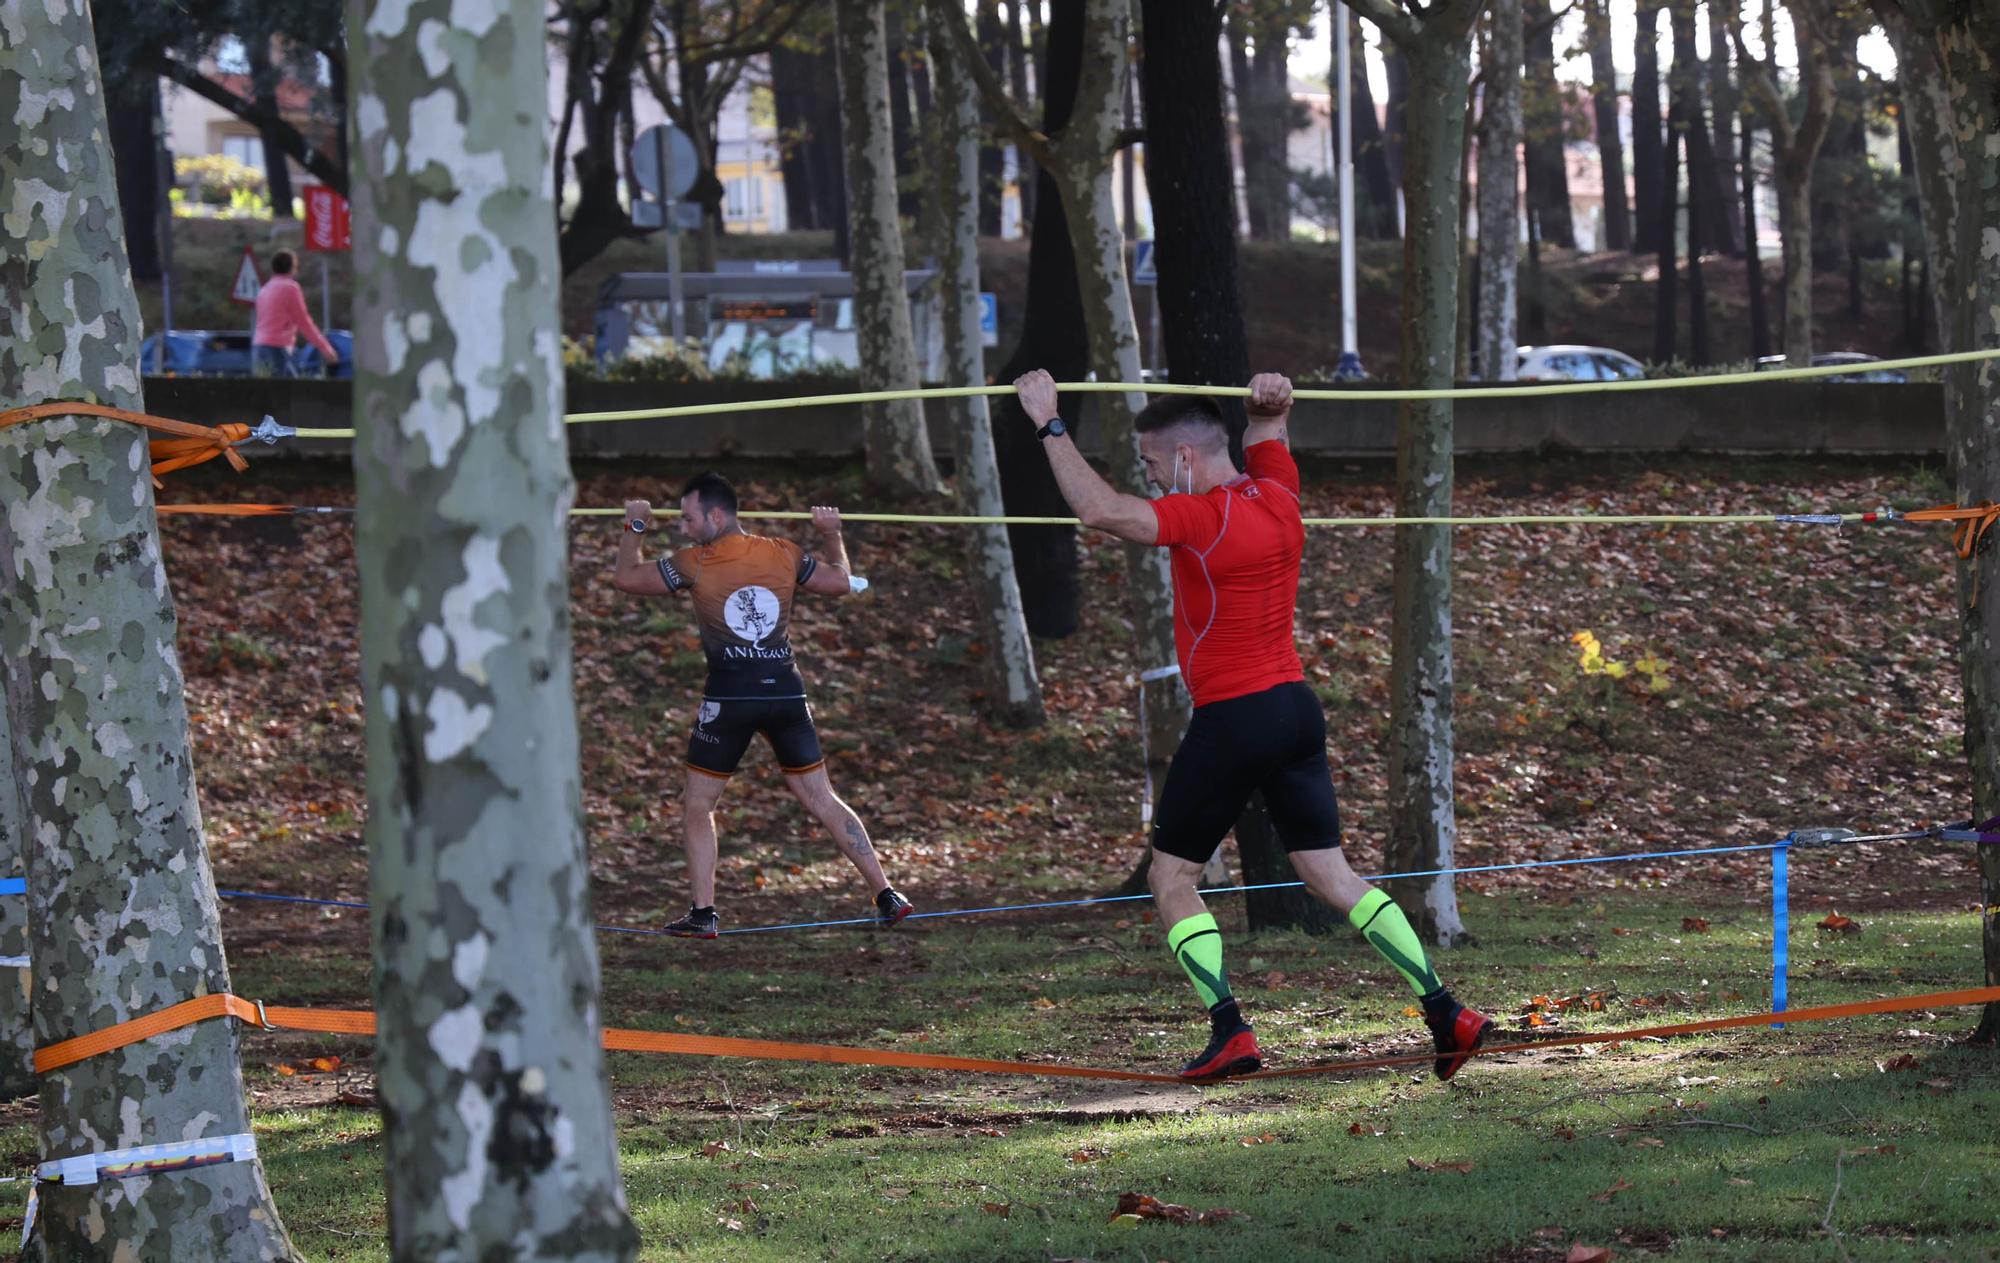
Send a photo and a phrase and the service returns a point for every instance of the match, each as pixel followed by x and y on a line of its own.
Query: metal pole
pixel 165 161
pixel 1350 357
pixel 325 297
pixel 675 314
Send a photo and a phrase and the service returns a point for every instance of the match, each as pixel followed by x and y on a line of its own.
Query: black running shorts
pixel 1274 741
pixel 723 728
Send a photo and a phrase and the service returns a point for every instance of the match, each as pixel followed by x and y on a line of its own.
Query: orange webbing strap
pixel 226 510
pixel 1971 523
pixel 190 445
pixel 362 1022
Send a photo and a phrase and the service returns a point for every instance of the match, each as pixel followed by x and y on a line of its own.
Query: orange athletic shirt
pixel 743 587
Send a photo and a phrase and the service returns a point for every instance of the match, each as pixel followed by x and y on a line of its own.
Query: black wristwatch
pixel 1054 429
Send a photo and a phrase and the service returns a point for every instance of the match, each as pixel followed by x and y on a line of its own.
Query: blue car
pixel 226 353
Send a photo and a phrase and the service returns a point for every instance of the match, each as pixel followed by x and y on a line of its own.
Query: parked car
pixel 1829 358
pixel 226 353
pixel 1562 363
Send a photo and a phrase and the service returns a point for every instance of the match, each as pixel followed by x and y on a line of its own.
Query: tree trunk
pixel 791 88
pixel 1723 101
pixel 1264 104
pixel 1396 114
pixel 1375 208
pixel 992 159
pixel 1699 353
pixel 1703 185
pixel 1021 51
pixel 898 446
pixel 599 218
pixel 902 135
pixel 264 84
pixel 121 907
pixel 134 108
pixel 1948 59
pixel 1243 106
pixel 1666 301
pixel 1202 323
pixel 1649 211
pixel 1422 827
pixel 1500 123
pixel 1604 106
pixel 1544 128
pixel 1753 263
pixel 496 1108
pixel 1013 692
pixel 1082 158
pixel 17 1033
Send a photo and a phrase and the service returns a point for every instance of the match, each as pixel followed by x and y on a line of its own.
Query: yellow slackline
pixel 1171 388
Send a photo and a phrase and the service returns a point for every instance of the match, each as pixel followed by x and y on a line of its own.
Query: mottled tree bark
pixel 1650 214
pixel 1494 339
pixel 1604 106
pixel 1423 829
pixel 1948 58
pixel 498 1138
pixel 898 446
pixel 17 1035
pixel 121 907
pixel 1013 691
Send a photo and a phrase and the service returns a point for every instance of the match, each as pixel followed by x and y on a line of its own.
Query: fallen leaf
pixel 988 1131
pixel 287 1069
pixel 1904 1061
pixel 1840 924
pixel 1265 1139
pixel 1274 979
pixel 1651 1142
pixel 1137 1206
pixel 734 1225
pixel 327 1065
pixel 1611 1192
pixel 1695 925
pixel 1002 1209
pixel 714 1147
pixel 1462 1168
pixel 1043 1002
pixel 1411 1010
pixel 895 1194
pixel 359 1100
pixel 1589 1254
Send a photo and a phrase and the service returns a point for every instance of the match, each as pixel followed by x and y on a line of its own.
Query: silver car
pixel 1563 363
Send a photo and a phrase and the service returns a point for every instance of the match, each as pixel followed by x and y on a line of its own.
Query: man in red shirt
pixel 1236 538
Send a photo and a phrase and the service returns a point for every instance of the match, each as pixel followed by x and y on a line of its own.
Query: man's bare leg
pixel 698 802
pixel 815 793
pixel 1196 942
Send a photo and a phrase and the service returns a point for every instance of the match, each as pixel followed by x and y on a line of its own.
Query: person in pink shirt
pixel 281 318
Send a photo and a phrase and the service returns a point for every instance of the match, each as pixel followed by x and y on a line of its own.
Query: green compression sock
pixel 1383 924
pixel 1197 944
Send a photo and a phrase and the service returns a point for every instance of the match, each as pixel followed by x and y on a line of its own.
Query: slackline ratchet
pixel 362 1022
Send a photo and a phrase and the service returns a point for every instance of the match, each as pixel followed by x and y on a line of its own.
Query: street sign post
pixel 1144 273
pixel 664 164
pixel 989 319
pixel 243 290
pixel 328 229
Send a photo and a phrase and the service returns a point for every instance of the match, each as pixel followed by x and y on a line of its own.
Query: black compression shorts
pixel 1274 741
pixel 723 728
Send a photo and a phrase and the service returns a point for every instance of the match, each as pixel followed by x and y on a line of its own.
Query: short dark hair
pixel 283 262
pixel 1169 411
pixel 714 492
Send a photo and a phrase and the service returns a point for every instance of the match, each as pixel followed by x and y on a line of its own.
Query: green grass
pixel 1723 1147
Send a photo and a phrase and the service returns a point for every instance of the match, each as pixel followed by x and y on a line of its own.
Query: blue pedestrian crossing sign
pixel 989 319
pixel 1143 272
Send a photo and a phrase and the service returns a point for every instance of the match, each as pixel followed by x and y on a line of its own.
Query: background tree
pixel 608 38
pixel 1796 146
pixel 1079 158
pixel 121 906
pixel 1545 130
pixel 898 445
pixel 1266 113
pixel 1948 61
pixel 805 92
pixel 496 1108
pixel 1650 216
pixel 1604 113
pixel 1014 693
pixel 1422 829
pixel 1724 109
pixel 1500 123
pixel 1374 213
pixel 1753 263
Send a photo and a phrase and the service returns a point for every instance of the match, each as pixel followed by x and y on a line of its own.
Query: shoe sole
pixel 886 922
pixel 1240 1066
pixel 685 934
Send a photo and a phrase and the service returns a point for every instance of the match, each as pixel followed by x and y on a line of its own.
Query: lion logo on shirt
pixel 752 613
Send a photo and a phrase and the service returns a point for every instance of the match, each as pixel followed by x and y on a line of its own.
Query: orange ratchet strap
pixel 1971 523
pixel 191 445
pixel 362 1022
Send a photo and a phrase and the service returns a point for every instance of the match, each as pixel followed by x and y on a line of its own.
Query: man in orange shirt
pixel 281 318
pixel 742 586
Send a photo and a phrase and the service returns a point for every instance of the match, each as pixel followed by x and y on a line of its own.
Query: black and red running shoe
pixel 1229 1053
pixel 1456 1036
pixel 698 923
pixel 890 907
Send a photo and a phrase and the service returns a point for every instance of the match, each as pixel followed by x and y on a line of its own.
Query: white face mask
pixel 1180 461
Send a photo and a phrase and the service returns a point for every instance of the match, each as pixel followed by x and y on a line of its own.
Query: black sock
pixel 1225 1017
pixel 1438 1005
pixel 709 911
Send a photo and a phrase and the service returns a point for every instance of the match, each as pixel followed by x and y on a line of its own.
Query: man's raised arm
pixel 1270 410
pixel 633 573
pixel 1096 502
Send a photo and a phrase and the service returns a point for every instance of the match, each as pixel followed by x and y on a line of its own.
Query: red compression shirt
pixel 1235 553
